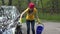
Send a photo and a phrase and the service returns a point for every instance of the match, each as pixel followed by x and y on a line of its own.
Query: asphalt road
pixel 49 28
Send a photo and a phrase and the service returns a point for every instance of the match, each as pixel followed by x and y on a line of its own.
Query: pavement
pixel 49 28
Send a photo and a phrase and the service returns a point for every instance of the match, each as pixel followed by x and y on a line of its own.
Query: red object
pixel 31 5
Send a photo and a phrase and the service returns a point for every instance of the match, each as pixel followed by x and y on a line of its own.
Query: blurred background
pixel 48 12
pixel 47 9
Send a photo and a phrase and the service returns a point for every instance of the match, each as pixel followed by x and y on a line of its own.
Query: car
pixel 9 16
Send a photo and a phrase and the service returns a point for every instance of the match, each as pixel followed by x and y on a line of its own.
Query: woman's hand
pixel 38 20
pixel 20 20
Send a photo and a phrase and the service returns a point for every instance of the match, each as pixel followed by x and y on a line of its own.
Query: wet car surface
pixel 9 16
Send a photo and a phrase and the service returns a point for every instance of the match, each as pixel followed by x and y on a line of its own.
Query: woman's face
pixel 31 8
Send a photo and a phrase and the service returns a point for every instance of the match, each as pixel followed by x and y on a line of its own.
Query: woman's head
pixel 31 5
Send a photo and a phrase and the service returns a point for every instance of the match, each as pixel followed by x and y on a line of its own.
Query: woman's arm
pixel 37 18
pixel 22 15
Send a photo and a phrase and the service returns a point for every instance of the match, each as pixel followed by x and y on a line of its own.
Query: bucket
pixel 39 29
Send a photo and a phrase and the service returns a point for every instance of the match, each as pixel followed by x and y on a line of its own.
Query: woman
pixel 31 12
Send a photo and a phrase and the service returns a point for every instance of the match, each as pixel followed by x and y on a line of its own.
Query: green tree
pixel 10 2
pixel 3 3
pixel 29 1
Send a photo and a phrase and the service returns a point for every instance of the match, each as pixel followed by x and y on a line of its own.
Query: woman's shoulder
pixel 35 9
pixel 27 9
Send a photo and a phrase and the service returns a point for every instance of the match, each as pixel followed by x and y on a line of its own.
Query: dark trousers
pixel 32 26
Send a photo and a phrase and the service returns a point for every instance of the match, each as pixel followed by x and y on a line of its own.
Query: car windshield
pixel 11 12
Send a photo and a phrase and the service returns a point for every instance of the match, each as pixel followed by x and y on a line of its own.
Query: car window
pixel 10 12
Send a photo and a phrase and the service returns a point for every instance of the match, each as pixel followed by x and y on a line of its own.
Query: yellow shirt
pixel 31 16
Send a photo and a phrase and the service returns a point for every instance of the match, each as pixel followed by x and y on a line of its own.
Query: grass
pixel 47 16
pixel 23 19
